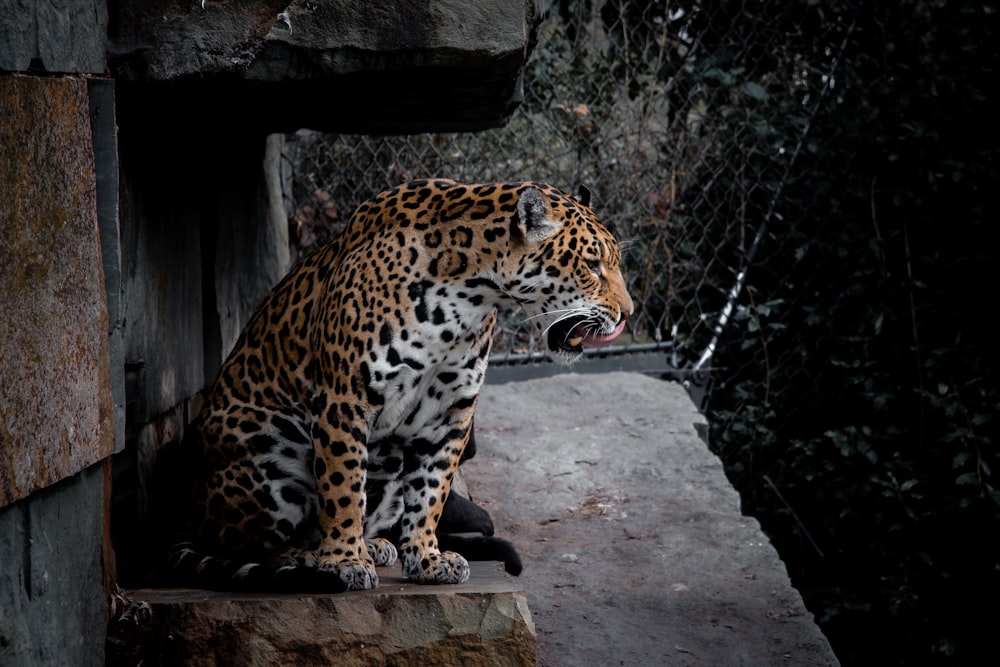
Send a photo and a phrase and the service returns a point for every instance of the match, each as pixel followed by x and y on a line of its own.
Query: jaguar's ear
pixel 534 216
pixel 583 195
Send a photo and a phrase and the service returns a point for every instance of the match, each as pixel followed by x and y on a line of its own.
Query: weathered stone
pixel 252 252
pixel 162 277
pixel 326 64
pixel 53 606
pixel 105 139
pixel 53 35
pixel 56 409
pixel 484 622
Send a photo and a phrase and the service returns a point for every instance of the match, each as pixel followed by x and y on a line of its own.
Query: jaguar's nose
pixel 626 307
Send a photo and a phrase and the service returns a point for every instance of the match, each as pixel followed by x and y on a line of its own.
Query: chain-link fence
pixel 683 118
pixel 803 191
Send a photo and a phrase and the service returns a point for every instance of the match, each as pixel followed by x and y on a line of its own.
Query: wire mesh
pixel 682 118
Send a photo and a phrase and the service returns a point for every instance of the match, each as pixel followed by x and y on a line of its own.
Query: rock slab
pixel 634 547
pixel 484 622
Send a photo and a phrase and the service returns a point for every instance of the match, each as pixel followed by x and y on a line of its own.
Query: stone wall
pixel 61 389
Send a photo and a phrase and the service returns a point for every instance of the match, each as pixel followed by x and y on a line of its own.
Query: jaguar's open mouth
pixel 572 333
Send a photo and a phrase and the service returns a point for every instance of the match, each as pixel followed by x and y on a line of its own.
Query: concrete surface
pixel 634 548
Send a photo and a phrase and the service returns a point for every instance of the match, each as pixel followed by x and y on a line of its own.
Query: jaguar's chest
pixel 421 375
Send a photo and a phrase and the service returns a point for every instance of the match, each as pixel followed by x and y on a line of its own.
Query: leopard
pixel 342 412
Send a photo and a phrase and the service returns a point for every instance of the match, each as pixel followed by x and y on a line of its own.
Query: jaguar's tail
pixel 190 567
pixel 475 546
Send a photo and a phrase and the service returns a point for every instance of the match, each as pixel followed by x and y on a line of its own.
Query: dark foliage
pixel 857 410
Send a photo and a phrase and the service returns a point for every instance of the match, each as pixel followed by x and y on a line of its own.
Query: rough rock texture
pixel 251 251
pixel 53 35
pixel 326 64
pixel 482 623
pixel 56 410
pixel 53 604
pixel 635 551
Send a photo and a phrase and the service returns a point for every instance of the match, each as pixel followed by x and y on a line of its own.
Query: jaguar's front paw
pixel 357 574
pixel 382 551
pixel 439 567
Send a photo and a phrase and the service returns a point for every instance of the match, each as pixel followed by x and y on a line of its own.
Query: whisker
pixel 627 246
pixel 548 312
pixel 576 311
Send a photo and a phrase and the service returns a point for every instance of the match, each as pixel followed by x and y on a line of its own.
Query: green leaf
pixel 755 90
pixel 968 479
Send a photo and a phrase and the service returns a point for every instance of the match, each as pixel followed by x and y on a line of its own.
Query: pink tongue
pixel 598 340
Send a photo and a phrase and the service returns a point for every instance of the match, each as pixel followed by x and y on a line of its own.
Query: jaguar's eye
pixel 594 264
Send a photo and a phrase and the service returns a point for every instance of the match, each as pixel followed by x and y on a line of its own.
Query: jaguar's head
pixel 568 275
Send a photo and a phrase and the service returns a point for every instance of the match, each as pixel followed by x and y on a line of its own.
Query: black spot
pixel 374 398
pixel 234 491
pixel 292 495
pixel 472 283
pixel 462 265
pixel 289 430
pixel 413 363
pixel 462 404
pixel 416 291
pixel 494 233
pixel 272 471
pixel 385 334
pixel 249 427
pixel 245 481
pixel 462 236
pixel 265 499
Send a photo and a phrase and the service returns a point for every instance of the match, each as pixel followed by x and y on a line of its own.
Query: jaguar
pixel 341 415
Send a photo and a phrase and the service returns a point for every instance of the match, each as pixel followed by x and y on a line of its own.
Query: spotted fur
pixel 343 410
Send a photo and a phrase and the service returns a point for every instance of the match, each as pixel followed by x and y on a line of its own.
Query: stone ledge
pixel 482 622
pixel 332 65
